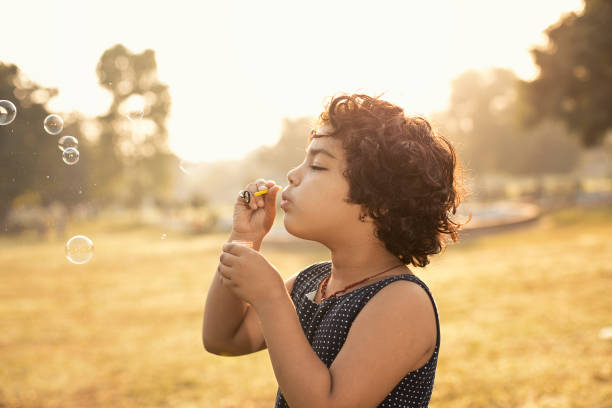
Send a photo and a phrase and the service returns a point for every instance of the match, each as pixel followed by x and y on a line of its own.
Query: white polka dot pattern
pixel 327 324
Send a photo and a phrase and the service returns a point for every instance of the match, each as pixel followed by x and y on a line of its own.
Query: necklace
pixel 349 286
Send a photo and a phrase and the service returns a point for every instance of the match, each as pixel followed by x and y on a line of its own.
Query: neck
pixel 356 254
pixel 352 264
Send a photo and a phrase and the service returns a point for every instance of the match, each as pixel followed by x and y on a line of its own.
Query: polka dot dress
pixel 326 326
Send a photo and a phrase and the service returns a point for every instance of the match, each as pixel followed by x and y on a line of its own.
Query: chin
pixel 288 226
pixel 307 233
pixel 293 229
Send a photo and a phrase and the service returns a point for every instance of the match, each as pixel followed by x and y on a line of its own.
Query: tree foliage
pixel 133 155
pixel 30 160
pixel 123 157
pixel 575 80
pixel 482 123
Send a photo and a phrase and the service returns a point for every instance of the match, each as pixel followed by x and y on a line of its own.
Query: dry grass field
pixel 520 314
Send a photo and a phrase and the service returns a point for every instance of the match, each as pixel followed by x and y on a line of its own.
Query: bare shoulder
pixel 403 301
pixel 394 334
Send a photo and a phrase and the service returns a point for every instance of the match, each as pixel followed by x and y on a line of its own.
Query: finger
pixel 218 274
pixel 253 188
pixel 224 258
pixel 227 259
pixel 224 273
pixel 251 203
pixel 242 200
pixel 230 248
pixel 272 186
pixel 233 251
pixel 273 190
pixel 269 185
pixel 260 199
pixel 227 246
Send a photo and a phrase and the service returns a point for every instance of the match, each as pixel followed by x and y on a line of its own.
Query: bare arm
pixel 223 312
pixel 303 378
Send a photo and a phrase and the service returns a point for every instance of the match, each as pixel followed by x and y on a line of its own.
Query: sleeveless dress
pixel 326 326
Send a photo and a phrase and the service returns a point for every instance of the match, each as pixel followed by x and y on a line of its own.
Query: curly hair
pixel 406 176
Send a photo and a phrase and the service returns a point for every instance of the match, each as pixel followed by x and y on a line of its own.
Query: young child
pixel 378 188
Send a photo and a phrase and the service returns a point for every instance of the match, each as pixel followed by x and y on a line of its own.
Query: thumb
pixel 271 196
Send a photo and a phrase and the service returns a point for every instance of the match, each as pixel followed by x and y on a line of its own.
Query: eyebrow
pixel 314 152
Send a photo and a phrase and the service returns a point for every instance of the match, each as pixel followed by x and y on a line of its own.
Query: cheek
pixel 317 217
pixel 324 208
pixel 327 193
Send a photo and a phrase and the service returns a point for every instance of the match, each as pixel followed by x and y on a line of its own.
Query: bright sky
pixel 236 68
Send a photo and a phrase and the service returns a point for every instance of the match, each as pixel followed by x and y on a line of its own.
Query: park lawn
pixel 520 315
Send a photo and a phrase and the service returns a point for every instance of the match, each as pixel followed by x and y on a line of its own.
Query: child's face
pixel 317 210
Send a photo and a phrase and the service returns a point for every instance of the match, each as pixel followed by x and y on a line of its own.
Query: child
pixel 378 189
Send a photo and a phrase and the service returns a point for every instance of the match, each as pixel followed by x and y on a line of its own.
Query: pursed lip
pixel 285 201
pixel 285 197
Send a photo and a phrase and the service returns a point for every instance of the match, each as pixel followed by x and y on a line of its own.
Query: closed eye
pixel 316 168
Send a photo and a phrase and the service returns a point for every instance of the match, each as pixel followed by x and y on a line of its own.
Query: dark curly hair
pixel 402 172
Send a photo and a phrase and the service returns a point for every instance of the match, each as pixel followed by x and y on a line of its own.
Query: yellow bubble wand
pixel 246 194
pixel 262 192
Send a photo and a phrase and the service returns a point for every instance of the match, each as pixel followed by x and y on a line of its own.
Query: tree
pixel 575 80
pixel 123 153
pixel 482 123
pixel 133 156
pixel 30 160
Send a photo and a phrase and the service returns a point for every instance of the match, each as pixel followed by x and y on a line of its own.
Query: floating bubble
pixel 53 124
pixel 164 236
pixel 8 111
pixel 70 156
pixel 65 142
pixel 134 107
pixel 135 114
pixel 79 249
pixel 190 167
pixel 185 167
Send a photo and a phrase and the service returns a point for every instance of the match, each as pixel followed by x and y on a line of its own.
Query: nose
pixel 291 175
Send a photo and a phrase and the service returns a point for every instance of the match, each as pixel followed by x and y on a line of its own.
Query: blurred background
pixel 176 108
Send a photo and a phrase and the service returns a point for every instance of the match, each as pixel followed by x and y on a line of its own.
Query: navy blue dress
pixel 326 326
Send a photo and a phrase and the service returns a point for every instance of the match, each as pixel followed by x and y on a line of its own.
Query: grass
pixel 520 314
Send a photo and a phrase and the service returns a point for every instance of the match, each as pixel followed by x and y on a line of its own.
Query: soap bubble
pixel 191 167
pixel 135 114
pixel 185 166
pixel 70 156
pixel 54 124
pixel 79 249
pixel 8 111
pixel 164 236
pixel 65 142
pixel 134 107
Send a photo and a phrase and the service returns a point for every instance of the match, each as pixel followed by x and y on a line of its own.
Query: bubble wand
pixel 246 196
